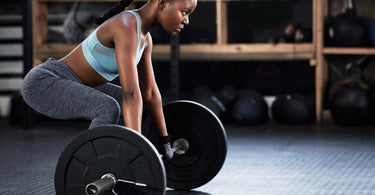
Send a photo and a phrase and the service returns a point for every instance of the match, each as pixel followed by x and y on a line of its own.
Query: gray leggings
pixel 54 90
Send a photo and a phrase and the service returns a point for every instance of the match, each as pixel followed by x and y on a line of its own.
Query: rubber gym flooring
pixel 266 159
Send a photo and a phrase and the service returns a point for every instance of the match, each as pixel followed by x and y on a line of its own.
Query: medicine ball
pixel 250 108
pixel 369 73
pixel 206 97
pixel 336 85
pixel 226 94
pixel 292 109
pixel 372 33
pixel 352 104
pixel 347 30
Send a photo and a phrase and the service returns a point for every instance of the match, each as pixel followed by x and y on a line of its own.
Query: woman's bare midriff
pixel 77 62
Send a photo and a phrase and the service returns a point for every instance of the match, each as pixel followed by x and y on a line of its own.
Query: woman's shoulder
pixel 125 20
pixel 120 26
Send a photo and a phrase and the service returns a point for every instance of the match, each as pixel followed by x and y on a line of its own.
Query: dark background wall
pixel 248 22
pixel 256 21
pixel 253 21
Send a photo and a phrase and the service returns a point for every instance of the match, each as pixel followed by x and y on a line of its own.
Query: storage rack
pixel 314 52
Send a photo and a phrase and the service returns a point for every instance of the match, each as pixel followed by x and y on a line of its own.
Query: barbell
pixel 109 180
pixel 114 159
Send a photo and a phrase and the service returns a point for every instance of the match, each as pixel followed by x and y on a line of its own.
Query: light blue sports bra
pixel 103 59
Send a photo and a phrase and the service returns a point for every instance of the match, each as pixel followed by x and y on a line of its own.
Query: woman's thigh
pixel 64 99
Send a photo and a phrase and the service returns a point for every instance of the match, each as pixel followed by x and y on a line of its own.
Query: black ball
pixel 227 94
pixel 292 109
pixel 352 104
pixel 369 73
pixel 207 98
pixel 372 33
pixel 250 108
pixel 347 30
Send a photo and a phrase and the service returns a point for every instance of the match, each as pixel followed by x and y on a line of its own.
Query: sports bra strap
pixel 138 26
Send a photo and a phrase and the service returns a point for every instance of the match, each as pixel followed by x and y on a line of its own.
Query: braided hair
pixel 119 7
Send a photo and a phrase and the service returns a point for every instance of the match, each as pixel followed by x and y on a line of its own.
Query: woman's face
pixel 175 14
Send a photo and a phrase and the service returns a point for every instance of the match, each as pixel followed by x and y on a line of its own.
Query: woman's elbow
pixel 152 96
pixel 130 96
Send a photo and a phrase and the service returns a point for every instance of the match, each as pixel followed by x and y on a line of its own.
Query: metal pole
pixel 175 59
pixel 27 50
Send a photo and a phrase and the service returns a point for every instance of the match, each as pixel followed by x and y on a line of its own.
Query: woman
pixel 77 86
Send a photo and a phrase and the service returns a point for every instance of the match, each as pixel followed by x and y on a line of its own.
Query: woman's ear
pixel 162 4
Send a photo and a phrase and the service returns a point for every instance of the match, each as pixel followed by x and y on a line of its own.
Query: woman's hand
pixel 164 147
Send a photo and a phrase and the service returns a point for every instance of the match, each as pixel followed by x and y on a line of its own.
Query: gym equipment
pixel 109 149
pixel 250 108
pixel 302 34
pixel 114 159
pixel 347 66
pixel 206 97
pixel 369 73
pixel 335 86
pixel 108 180
pixel 289 32
pixel 292 109
pixel 293 34
pixel 351 103
pixel 226 94
pixel 372 33
pixel 347 29
pixel 207 141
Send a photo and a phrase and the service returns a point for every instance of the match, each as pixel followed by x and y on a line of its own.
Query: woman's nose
pixel 186 21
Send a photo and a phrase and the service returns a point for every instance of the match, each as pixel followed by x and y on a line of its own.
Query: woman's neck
pixel 148 14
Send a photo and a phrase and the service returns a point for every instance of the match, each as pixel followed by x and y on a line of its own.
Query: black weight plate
pixel 207 139
pixel 109 149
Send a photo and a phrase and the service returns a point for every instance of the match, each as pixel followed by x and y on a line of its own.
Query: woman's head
pixel 174 15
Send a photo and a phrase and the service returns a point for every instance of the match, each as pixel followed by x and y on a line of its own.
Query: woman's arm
pixel 150 91
pixel 126 42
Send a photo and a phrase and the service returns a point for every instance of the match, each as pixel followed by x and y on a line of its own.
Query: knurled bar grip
pixel 107 182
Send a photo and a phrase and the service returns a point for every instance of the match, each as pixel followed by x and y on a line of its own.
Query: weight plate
pixel 109 149
pixel 207 140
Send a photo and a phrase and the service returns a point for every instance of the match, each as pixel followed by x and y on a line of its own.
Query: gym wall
pixel 11 36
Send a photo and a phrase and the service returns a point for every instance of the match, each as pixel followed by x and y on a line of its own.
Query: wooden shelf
pixel 43 1
pixel 321 12
pixel 220 51
pixel 228 52
pixel 118 0
pixel 348 51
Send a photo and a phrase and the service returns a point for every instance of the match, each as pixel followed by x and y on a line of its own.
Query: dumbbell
pixel 118 159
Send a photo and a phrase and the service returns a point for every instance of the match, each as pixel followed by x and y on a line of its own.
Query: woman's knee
pixel 108 114
pixel 111 109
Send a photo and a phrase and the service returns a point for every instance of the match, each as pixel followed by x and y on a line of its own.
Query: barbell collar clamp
pixel 180 146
